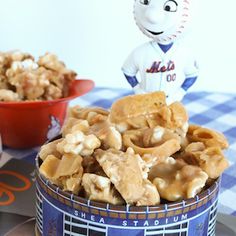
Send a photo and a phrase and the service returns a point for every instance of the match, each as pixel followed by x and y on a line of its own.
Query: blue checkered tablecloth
pixel 212 110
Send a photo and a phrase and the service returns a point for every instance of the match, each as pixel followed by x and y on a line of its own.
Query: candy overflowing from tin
pixel 142 152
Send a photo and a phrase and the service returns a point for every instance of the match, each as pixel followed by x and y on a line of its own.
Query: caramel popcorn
pixel 26 79
pixel 78 143
pixel 142 152
pixel 8 95
pixel 51 62
pixel 3 82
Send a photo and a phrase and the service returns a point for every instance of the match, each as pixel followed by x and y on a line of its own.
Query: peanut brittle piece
pixel 136 105
pixel 99 188
pixel 91 165
pixel 156 144
pixel 65 172
pixel 128 173
pixel 72 124
pixel 50 149
pixel 107 134
pixel 173 116
pixel 91 114
pixel 207 136
pixel 211 159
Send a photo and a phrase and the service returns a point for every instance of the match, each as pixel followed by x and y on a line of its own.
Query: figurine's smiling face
pixel 162 20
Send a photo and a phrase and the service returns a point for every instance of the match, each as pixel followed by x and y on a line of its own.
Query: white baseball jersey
pixel 160 71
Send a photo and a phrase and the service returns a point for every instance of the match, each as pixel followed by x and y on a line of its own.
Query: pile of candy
pixel 142 152
pixel 23 79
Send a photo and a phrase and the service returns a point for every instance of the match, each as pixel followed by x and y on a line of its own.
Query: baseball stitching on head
pixel 179 29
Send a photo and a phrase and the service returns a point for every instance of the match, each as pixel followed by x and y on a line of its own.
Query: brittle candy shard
pixel 50 149
pixel 136 105
pixel 161 149
pixel 99 188
pixel 121 168
pixel 107 134
pixel 210 138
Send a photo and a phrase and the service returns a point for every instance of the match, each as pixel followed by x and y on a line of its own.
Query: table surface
pixel 213 110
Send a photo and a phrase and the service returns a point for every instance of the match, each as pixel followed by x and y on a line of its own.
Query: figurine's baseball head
pixel 162 20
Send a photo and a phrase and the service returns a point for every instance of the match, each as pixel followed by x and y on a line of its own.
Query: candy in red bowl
pixel 25 124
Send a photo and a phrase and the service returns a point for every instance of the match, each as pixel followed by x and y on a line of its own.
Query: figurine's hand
pixel 176 97
pixel 138 90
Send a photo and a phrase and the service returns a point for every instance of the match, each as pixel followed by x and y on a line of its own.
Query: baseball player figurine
pixel 163 64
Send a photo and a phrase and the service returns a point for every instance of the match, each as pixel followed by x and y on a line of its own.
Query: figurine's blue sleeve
pixel 130 69
pixel 132 80
pixel 188 83
pixel 191 75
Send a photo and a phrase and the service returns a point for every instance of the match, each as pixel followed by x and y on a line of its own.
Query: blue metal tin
pixel 63 214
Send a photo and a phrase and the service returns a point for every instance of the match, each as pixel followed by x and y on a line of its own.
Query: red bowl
pixel 29 124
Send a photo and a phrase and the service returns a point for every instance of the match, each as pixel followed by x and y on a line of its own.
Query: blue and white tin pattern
pixel 62 214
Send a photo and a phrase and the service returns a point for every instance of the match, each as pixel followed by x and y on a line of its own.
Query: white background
pixel 94 37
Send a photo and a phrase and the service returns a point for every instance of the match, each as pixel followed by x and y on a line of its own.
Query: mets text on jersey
pixel 157 68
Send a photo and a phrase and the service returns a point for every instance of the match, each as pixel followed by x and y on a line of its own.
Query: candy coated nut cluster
pixel 22 78
pixel 176 180
pixel 141 152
